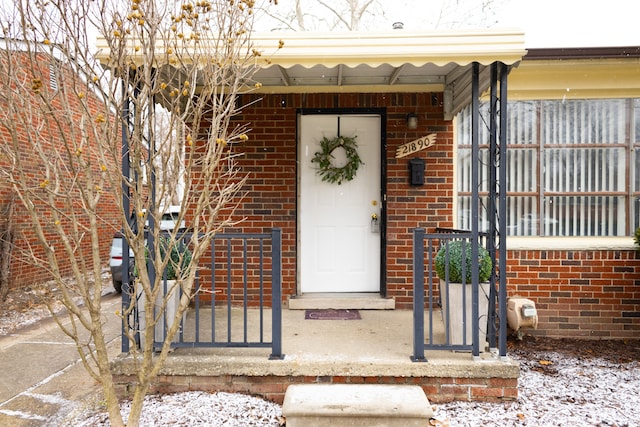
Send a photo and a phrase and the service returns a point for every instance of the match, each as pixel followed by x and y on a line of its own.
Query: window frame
pixel 629 147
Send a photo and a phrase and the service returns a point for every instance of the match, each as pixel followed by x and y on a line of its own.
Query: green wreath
pixel 323 158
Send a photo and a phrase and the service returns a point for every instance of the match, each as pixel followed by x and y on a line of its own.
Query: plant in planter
pixel 456 291
pixel 454 250
pixel 179 258
pixel 636 239
pixel 177 267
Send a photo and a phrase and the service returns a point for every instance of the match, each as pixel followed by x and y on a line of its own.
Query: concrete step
pixel 347 301
pixel 356 405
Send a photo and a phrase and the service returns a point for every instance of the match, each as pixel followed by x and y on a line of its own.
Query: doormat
pixel 332 314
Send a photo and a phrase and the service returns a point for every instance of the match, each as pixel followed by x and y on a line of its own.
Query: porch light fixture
pixel 412 121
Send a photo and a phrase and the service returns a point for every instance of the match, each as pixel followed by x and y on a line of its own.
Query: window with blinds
pixel 571 168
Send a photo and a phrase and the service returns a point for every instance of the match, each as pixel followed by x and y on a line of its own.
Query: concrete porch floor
pixel 374 349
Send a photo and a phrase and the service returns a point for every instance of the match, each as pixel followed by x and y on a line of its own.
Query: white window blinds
pixel 567 171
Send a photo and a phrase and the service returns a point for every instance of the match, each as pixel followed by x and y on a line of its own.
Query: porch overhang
pixel 396 61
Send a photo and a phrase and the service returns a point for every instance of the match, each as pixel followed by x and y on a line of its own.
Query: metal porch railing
pixel 431 293
pixel 242 277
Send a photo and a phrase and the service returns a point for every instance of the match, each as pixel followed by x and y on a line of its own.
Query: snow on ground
pixel 556 388
pixel 559 391
pixel 195 408
pixel 26 306
pixel 553 391
pixel 16 314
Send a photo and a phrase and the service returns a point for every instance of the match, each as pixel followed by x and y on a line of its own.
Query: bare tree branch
pixel 166 86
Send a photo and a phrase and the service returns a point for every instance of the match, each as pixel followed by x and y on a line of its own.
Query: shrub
pixel 454 250
pixel 180 258
pixel 636 239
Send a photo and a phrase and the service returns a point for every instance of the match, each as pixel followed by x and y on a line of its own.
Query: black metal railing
pixel 457 306
pixel 230 308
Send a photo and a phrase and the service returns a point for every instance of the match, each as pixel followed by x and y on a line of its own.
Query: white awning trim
pixel 389 61
pixel 396 61
pixel 395 48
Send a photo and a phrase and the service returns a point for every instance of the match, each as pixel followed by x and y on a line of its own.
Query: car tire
pixel 117 286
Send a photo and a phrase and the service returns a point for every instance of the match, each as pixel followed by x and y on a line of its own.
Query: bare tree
pixel 70 111
pixel 7 237
pixel 357 15
pixel 466 13
pixel 170 174
pixel 320 15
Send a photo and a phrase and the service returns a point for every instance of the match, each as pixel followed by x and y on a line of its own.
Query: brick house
pixel 576 259
pixel 578 265
pixel 53 76
pixel 573 126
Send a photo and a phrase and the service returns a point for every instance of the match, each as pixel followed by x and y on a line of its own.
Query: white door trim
pixel 334 221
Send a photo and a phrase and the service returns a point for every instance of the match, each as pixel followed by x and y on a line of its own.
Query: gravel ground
pixel 195 408
pixel 563 383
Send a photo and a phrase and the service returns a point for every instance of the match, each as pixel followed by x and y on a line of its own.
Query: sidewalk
pixel 42 381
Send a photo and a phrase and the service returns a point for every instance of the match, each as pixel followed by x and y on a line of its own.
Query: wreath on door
pixel 333 174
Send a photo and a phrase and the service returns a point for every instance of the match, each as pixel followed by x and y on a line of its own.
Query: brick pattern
pixel 270 387
pixel 270 157
pixel 586 294
pixel 51 137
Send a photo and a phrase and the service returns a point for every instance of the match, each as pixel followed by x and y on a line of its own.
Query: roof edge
pixel 395 47
pixel 583 52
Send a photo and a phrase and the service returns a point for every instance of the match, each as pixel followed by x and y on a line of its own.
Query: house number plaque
pixel 415 146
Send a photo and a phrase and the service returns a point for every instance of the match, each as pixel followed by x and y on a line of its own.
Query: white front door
pixel 339 250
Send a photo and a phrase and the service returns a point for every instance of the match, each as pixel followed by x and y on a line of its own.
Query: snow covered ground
pixel 555 389
pixel 562 383
pixel 195 408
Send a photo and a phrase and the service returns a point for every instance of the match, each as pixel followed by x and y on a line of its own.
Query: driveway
pixel 42 381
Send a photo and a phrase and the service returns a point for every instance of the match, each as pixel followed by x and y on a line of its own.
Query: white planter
pixel 454 307
pixel 170 311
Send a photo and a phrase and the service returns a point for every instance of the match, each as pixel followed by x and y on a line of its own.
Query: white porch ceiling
pixel 396 61
pixel 342 76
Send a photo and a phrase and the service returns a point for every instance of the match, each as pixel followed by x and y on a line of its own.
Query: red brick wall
pixel 23 270
pixel 592 294
pixel 273 387
pixel 589 294
pixel 270 156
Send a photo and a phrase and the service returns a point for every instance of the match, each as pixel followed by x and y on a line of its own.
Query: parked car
pixel 115 261
pixel 167 223
pixel 170 218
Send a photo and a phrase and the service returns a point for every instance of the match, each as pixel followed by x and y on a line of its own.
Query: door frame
pixel 382 112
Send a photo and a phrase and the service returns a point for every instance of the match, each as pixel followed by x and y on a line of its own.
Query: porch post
pixel 491 202
pixel 418 296
pixel 126 171
pixel 502 213
pixel 276 295
pixel 475 161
